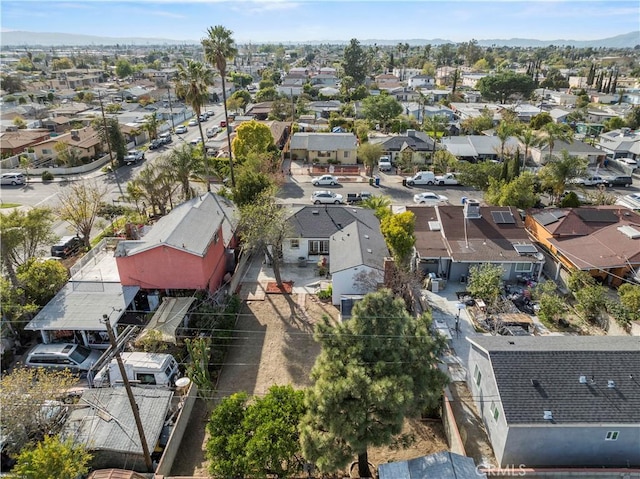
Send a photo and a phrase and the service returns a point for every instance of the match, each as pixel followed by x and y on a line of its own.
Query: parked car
pixel 223 124
pixel 211 132
pixel 589 181
pixel 155 144
pixel 165 138
pixel 353 198
pixel 631 201
pixel 203 118
pixel 144 369
pixel 74 357
pixel 422 178
pixel 447 179
pixel 325 197
pixel 619 180
pixel 429 198
pixel 180 129
pixel 324 180
pixel 628 162
pixel 133 156
pixel 67 246
pixel 193 122
pixel 384 164
pixel 195 141
pixel 12 179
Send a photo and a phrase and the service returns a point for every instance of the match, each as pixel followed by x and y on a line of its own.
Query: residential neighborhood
pixel 401 259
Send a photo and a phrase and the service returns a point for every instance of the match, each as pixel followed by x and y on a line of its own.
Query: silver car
pixel 12 179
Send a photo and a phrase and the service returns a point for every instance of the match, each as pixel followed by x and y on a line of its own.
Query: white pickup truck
pixel 447 179
pixel 133 156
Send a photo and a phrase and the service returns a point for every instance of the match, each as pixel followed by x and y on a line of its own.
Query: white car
pixel 193 122
pixel 429 198
pixel 447 179
pixel 325 197
pixel 195 141
pixel 12 179
pixel 324 180
pixel 180 129
pixel 590 181
pixel 628 161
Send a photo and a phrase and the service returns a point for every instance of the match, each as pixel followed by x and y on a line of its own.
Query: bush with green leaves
pixel 325 294
pixel 47 175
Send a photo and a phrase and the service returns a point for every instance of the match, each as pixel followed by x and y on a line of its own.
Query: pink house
pixel 190 248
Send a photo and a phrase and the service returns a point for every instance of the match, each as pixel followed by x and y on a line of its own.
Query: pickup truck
pixel 133 156
pixel 447 179
pixel 353 198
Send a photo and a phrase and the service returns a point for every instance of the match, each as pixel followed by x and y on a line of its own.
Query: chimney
pixel 471 209
pixel 411 133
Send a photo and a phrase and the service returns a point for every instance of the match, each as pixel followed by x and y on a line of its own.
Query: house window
pixel 523 267
pixel 477 375
pixel 495 412
pixel 295 243
pixel 324 154
pixel 146 378
pixel 215 238
pixel 47 151
pixel 318 246
pixel 612 436
pixel 346 154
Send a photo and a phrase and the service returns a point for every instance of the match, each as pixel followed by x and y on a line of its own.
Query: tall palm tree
pixel 552 132
pixel 192 85
pixel 529 139
pixel 184 163
pixel 218 48
pixel 504 131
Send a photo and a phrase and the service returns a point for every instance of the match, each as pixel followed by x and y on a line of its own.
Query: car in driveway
pixel 628 162
pixel 193 122
pixel 12 179
pixel 429 198
pixel 75 357
pixel 180 129
pixel 323 180
pixel 67 246
pixel 325 197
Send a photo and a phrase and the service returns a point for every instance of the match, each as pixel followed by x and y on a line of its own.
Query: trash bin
pixel 464 200
pixel 377 178
pixel 404 182
pixel 371 181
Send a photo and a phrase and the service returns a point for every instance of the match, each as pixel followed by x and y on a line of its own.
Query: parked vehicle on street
pixel 324 180
pixel 223 124
pixel 67 246
pixel 195 141
pixel 447 179
pixel 211 132
pixel 165 138
pixel 353 198
pixel 180 129
pixel 429 198
pixel 422 178
pixel 325 197
pixel 144 369
pixel 155 144
pixel 628 162
pixel 193 122
pixel 74 357
pixel 12 179
pixel 384 164
pixel 133 156
pixel 619 180
pixel 589 181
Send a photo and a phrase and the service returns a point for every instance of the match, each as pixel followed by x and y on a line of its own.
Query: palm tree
pixel 151 124
pixel 529 139
pixel 192 85
pixel 559 171
pixel 218 48
pixel 433 125
pixel 504 131
pixel 183 163
pixel 552 132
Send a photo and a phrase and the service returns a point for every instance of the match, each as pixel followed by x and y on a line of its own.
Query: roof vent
pixel 366 236
pixel 583 379
pixel 611 384
pixel 472 209
pixel 315 212
pixel 548 416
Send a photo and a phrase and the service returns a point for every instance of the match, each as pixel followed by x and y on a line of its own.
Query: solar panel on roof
pixel 525 248
pixel 503 217
pixel 546 218
pixel 597 216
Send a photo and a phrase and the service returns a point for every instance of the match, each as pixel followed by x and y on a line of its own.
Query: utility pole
pixel 106 134
pixel 132 401
pixel 173 126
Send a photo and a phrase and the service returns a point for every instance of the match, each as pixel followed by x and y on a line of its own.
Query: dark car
pixel 155 144
pixel 619 180
pixel 67 246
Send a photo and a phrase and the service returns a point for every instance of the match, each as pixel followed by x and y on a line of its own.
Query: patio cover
pixel 168 318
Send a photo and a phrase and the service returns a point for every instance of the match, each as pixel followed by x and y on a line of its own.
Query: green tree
pixel 192 84
pixel 355 62
pixel 435 126
pixel 552 306
pixel 529 139
pixel 630 299
pixel 151 125
pixel 374 371
pixel 477 175
pixel 263 227
pixel 241 80
pixel 541 119
pixel 11 83
pixel 218 48
pixel 552 132
pixel 27 411
pixel 79 204
pixel 369 154
pixel 633 118
pixel 579 279
pixel 252 137
pixel 66 154
pixel 570 200
pixel 52 458
pixel 484 282
pixel 225 446
pixel 41 280
pixel 266 94
pixel 614 123
pixel 123 68
pixel 506 85
pixel 591 301
pixel 243 96
pixel 478 124
pixel 398 231
pixel 504 131
pixel 184 164
pixel 518 192
pixel 381 205
pixel 559 171
pixel 112 136
pixel 251 182
pixel 444 161
pixel 381 109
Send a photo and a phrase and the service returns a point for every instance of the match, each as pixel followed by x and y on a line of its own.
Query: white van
pixel 384 164
pixel 143 369
pixel 422 178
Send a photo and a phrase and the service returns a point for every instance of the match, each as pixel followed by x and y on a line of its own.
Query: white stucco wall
pixel 343 282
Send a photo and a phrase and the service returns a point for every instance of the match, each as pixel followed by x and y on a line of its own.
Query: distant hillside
pixel 21 39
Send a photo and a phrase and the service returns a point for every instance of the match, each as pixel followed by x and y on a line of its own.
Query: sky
pixel 268 21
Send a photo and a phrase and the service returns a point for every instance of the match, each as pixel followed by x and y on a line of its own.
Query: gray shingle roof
pixel 322 221
pixel 323 141
pixel 537 374
pixel 189 227
pixel 442 465
pixel 356 245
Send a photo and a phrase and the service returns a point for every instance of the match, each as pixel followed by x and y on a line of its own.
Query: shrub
pixel 47 175
pixel 325 294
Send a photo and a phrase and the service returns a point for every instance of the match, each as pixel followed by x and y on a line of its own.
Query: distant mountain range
pixel 23 39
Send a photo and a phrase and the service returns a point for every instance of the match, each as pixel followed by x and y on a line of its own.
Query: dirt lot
pixel 274 345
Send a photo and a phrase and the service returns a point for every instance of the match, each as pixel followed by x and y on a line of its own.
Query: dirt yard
pixel 274 345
